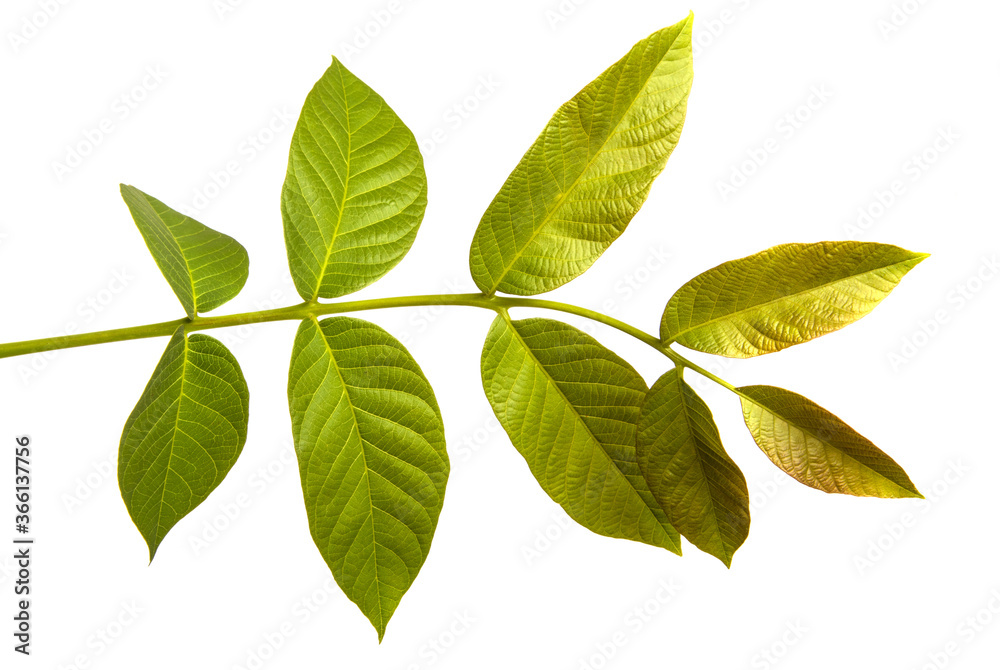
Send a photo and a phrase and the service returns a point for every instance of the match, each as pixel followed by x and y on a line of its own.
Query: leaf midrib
pixel 679 381
pixel 177 246
pixel 343 198
pixel 364 459
pixel 173 439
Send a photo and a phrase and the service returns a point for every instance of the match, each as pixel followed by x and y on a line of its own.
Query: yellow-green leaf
pixel 588 173
pixel 372 460
pixel 355 191
pixel 570 407
pixel 680 453
pixel 204 267
pixel 783 296
pixel 184 435
pixel 817 448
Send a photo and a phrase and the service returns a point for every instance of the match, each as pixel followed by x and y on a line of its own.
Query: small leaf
pixel 588 173
pixel 205 268
pixel 782 296
pixel 817 448
pixel 372 460
pixel 355 191
pixel 184 435
pixel 680 453
pixel 570 406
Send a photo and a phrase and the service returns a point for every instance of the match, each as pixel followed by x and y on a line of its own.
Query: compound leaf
pixel 680 453
pixel 371 452
pixel 817 448
pixel 184 435
pixel 205 268
pixel 588 173
pixel 570 407
pixel 355 190
pixel 783 296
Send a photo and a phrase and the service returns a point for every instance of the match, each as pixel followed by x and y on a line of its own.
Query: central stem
pixel 314 309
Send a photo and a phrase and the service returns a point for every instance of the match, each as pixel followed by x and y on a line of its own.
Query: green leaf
pixel 205 268
pixel 817 448
pixel 184 435
pixel 588 173
pixel 355 191
pixel 782 296
pixel 680 453
pixel 371 451
pixel 570 406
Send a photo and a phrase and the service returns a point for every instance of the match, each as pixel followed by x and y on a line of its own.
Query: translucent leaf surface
pixel 783 296
pixel 355 191
pixel 570 406
pixel 204 267
pixel 371 452
pixel 680 453
pixel 184 435
pixel 588 173
pixel 819 449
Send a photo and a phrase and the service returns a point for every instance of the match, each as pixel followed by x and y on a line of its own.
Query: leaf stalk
pixel 305 310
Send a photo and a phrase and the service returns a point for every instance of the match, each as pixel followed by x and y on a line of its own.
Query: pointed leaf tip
pixel 184 435
pixel 817 448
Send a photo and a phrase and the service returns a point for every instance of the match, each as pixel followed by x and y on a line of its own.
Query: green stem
pixel 314 309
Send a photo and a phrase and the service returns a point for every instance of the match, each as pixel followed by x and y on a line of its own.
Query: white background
pixel 811 586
